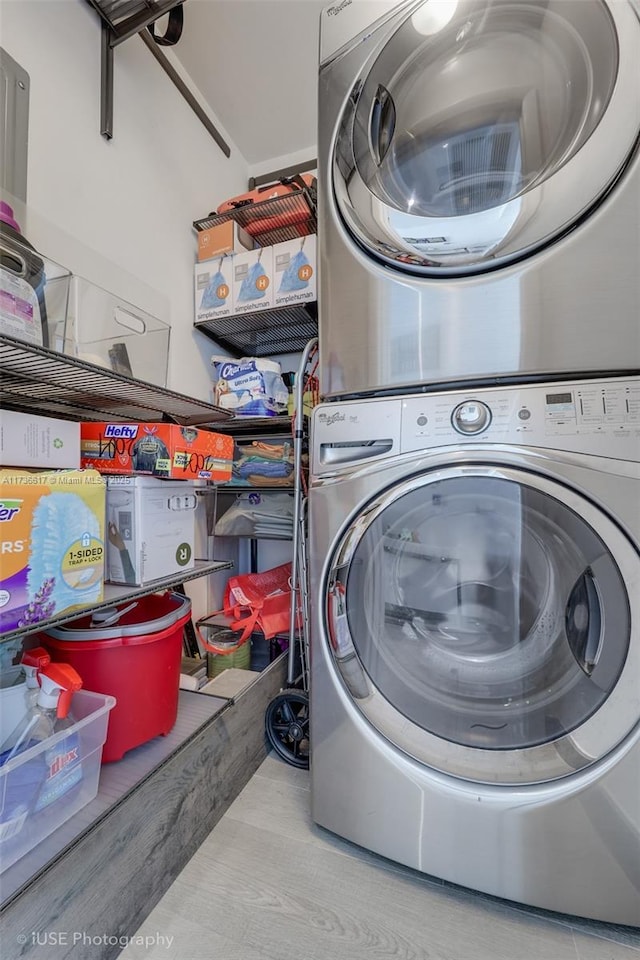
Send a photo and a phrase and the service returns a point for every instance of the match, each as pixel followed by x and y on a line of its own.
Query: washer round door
pixel 483 130
pixel 480 620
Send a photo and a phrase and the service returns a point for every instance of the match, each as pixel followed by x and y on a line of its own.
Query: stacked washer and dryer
pixel 474 506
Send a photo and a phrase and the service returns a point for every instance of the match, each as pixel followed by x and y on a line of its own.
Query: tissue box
pixel 110 332
pixel 151 528
pixel 294 271
pixel 52 543
pixel 213 289
pixel 160 449
pixel 30 441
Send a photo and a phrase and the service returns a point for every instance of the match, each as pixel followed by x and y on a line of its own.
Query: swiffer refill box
pixel 150 528
pixel 159 449
pixel 30 441
pixel 253 280
pixel 52 549
pixel 214 289
pixel 294 271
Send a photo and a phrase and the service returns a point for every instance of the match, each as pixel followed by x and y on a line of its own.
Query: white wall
pixel 119 213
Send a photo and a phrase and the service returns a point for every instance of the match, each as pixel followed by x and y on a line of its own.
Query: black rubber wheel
pixel 286 724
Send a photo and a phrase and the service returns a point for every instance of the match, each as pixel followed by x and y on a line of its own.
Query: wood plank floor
pixel 268 884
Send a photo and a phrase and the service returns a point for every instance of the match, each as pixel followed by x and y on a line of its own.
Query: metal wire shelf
pixel 288 217
pixel 35 379
pixel 117 593
pixel 266 332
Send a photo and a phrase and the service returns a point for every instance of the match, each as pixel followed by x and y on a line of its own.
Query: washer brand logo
pixel 127 430
pixel 339 7
pixel 328 419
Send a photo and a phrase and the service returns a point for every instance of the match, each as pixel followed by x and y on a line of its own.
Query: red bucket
pixel 131 651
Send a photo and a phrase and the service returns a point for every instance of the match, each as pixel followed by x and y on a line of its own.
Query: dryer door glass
pixel 450 144
pixel 477 605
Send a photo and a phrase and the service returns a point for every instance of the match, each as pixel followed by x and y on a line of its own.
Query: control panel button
pixel 422 420
pixel 524 414
pixel 471 417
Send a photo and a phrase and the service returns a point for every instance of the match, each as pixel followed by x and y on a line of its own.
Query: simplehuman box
pixel 294 271
pixel 227 237
pixel 158 449
pixel 110 332
pixel 151 528
pixel 213 290
pixel 253 280
pixel 27 440
pixel 52 543
pixel 27 780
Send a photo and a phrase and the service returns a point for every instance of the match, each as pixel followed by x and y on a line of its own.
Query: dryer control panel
pixel 598 417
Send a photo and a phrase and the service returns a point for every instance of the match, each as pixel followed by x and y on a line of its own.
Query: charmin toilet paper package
pixel 51 542
pixel 294 271
pixel 251 387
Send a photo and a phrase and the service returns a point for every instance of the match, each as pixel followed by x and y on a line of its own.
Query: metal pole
pixel 298 436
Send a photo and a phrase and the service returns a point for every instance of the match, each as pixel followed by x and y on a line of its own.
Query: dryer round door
pixel 480 619
pixel 481 131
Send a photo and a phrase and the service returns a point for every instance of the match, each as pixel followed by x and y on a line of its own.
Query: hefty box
pixel 52 543
pixel 157 449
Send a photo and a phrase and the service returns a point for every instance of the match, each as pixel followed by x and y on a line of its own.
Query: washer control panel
pixel 599 417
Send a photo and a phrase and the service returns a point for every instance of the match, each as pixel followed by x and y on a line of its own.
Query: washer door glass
pixel 450 144
pixel 476 607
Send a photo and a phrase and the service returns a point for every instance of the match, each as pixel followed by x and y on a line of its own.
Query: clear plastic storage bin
pixel 21 779
pixel 104 329
pixel 34 294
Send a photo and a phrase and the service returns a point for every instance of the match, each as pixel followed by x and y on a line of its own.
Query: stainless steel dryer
pixel 475 637
pixel 479 191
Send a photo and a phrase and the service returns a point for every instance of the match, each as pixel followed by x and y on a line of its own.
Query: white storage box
pixel 112 333
pixel 213 289
pixel 253 280
pixel 150 528
pixel 27 440
pixel 23 777
pixel 294 271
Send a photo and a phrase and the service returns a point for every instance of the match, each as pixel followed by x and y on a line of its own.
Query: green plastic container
pixel 239 658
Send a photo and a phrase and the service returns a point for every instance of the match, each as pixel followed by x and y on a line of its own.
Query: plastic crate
pixel 22 781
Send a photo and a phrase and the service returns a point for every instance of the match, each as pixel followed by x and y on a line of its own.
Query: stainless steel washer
pixel 475 638
pixel 479 191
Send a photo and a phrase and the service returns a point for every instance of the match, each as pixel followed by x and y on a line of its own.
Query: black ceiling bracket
pixel 106 84
pixel 122 19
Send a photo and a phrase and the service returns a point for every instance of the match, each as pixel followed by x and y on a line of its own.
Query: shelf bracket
pixel 106 84
pixel 142 23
